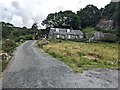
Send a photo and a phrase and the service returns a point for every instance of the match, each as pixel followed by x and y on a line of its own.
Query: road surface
pixel 32 68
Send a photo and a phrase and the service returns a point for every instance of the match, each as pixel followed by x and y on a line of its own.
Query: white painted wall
pixel 81 36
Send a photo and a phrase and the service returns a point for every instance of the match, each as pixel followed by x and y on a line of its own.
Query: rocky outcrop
pixel 4 55
pixel 100 36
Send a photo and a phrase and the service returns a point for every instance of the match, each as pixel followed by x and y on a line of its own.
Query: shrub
pixel 25 37
pixel 81 54
pixel 89 31
pixel 55 40
pixel 110 38
pixel 8 46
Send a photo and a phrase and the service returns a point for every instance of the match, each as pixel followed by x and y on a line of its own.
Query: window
pixel 68 30
pixel 58 36
pixel 57 30
pixel 69 37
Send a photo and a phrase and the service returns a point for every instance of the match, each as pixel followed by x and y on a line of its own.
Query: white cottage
pixel 60 33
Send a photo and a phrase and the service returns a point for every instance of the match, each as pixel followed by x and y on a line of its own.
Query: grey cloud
pixel 21 12
pixel 26 13
pixel 115 0
pixel 16 4
pixel 38 18
pixel 6 13
pixel 80 1
pixel 60 8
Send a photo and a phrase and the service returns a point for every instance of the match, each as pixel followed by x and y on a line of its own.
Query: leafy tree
pixel 75 22
pixel 89 16
pixel 34 27
pixel 110 11
pixel 66 19
pixel 49 21
pixel 118 21
pixel 6 30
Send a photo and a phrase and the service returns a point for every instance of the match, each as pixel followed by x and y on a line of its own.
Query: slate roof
pixel 64 32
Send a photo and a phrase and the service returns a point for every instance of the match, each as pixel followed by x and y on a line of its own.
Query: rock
pixel 106 24
pixel 43 42
pixel 5 56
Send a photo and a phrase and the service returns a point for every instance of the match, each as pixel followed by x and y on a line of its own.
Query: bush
pixel 89 32
pixel 101 30
pixel 110 38
pixel 8 46
pixel 55 40
pixel 25 37
pixel 81 54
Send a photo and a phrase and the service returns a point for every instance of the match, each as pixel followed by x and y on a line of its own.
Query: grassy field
pixel 81 56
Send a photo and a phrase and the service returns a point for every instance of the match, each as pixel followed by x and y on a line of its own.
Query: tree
pixel 89 16
pixel 6 30
pixel 75 22
pixel 35 31
pixel 110 11
pixel 118 21
pixel 65 19
pixel 34 26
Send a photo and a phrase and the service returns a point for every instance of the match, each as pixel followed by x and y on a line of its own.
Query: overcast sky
pixel 26 12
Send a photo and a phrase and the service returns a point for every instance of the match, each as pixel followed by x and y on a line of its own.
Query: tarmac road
pixel 32 68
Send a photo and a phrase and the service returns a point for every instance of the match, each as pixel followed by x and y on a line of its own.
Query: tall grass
pixel 80 55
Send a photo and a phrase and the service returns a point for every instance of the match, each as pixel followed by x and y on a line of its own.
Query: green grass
pixel 3 65
pixel 89 31
pixel 80 55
